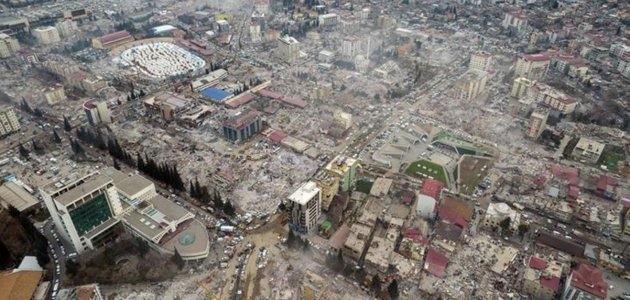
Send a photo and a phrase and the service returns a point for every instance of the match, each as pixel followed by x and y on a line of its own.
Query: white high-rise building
pixel 537 123
pixel 8 45
pixel 8 120
pixel 533 66
pixel 288 48
pixel 350 47
pixel 480 60
pixel 46 35
pixel 304 207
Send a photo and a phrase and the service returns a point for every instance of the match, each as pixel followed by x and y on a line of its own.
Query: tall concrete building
pixel 515 20
pixel 537 123
pixel 470 85
pixel 350 47
pixel 8 120
pixel 588 150
pixel 8 46
pixel 66 28
pixel 344 168
pixel 242 126
pixel 96 112
pixel 304 207
pixel 54 94
pixel 585 283
pixel 46 35
pixel 288 48
pixel 533 66
pixel 83 210
pixel 520 87
pixel 480 60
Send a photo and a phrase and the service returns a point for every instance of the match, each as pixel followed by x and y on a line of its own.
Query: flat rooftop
pixel 14 195
pixel 304 193
pixel 88 185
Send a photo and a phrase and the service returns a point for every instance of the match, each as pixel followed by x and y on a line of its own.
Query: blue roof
pixel 215 94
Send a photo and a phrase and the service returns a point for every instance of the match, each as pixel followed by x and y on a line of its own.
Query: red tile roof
pixel 270 94
pixel 537 263
pixel 435 263
pixel 239 100
pixel 241 120
pixel 277 136
pixel 294 101
pixel 604 181
pixel 551 282
pixel 589 279
pixel 574 191
pixel 114 37
pixel 432 188
pixel 537 57
pixel 445 213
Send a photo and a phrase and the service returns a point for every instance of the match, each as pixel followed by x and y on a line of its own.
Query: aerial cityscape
pixel 314 149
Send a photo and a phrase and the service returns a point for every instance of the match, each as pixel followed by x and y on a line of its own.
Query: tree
pixel 23 152
pixel 178 260
pixel 392 289
pixel 505 225
pixel 143 246
pixel 376 283
pixel 66 124
pixel 56 137
pixel 72 267
pixel 37 148
pixel 116 165
pixel 522 230
pixel 14 212
pixel 229 209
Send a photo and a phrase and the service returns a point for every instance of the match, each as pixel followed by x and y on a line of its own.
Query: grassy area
pixel 427 168
pixel 611 157
pixel 364 186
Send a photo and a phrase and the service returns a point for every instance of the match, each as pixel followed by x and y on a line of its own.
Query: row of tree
pixel 39 244
pixel 201 193
pixel 162 172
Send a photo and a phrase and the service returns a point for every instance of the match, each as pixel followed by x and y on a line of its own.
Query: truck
pixel 227 228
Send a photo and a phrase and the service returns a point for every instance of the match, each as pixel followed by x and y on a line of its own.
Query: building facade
pixel 520 87
pixel 8 46
pixel 470 85
pixel 585 283
pixel 112 40
pixel 46 35
pixel 96 112
pixel 54 94
pixel 304 207
pixel 541 279
pixel 588 150
pixel 533 66
pixel 350 47
pixel 66 28
pixel 242 126
pixel 8 120
pixel 537 123
pixel 480 60
pixel 344 168
pixel 288 48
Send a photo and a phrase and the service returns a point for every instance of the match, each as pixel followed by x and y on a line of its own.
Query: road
pixel 55 251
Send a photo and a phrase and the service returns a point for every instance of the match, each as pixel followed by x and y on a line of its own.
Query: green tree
pixel 56 137
pixel 392 289
pixel 143 246
pixel 24 153
pixel 376 283
pixel 66 124
pixel 116 165
pixel 72 267
pixel 228 209
pixel 14 212
pixel 505 225
pixel 522 230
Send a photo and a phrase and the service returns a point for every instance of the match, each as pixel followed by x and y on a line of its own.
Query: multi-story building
pixel 8 120
pixel 304 207
pixel 8 46
pixel 288 48
pixel 620 50
pixel 470 85
pixel 261 6
pixel 328 20
pixel 480 60
pixel 112 40
pixel 46 35
pixel 521 87
pixel 541 279
pixel 533 66
pixel 83 209
pixel 13 25
pixel 97 112
pixel 585 283
pixel 54 94
pixel 542 93
pixel 350 47
pixel 90 209
pixel 345 168
pixel 168 105
pixel 537 123
pixel 588 150
pixel 255 32
pixel 515 20
pixel 242 126
pixel 66 28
